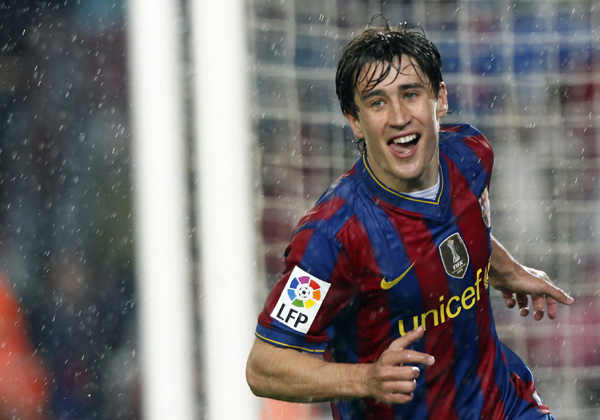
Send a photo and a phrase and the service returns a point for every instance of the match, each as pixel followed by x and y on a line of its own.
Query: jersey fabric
pixel 380 263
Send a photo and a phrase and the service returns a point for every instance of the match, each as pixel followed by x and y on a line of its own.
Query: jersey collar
pixel 433 208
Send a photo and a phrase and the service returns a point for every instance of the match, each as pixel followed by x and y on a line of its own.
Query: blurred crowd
pixel 65 211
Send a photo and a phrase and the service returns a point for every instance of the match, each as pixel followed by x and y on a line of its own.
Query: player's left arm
pixel 517 282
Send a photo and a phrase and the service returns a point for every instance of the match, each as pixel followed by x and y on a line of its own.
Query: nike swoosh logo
pixel 385 285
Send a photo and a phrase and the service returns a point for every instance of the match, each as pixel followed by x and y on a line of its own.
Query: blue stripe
pixel 386 244
pixel 321 255
pixel 414 411
pixel 466 160
pixel 344 343
pixel 466 130
pixel 509 397
pixel 352 410
pixel 520 407
pixel 466 331
pixel 319 259
pixel 404 298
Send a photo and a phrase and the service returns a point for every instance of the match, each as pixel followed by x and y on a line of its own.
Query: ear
pixel 355 125
pixel 442 101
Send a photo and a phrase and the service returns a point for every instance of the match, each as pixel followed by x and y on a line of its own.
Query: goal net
pixel 526 74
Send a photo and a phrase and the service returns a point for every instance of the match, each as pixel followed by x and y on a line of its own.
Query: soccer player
pixel 388 275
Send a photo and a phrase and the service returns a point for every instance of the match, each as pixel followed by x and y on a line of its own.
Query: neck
pixel 421 181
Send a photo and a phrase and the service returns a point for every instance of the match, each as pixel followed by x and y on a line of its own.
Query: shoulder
pixel 462 142
pixel 336 207
pixel 453 134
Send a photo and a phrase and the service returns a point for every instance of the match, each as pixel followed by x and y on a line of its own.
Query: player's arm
pixel 516 282
pixel 290 375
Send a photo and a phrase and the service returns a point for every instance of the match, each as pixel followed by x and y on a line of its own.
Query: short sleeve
pixel 471 152
pixel 301 309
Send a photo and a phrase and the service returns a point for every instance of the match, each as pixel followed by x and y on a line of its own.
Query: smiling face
pixel 399 120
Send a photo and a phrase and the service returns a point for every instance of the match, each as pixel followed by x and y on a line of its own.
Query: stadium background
pixel 526 73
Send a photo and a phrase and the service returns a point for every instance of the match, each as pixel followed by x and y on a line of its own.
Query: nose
pixel 399 115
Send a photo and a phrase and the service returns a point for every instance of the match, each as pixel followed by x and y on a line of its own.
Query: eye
pixel 410 95
pixel 376 103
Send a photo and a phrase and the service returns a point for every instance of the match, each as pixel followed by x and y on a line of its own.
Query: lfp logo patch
pixel 300 300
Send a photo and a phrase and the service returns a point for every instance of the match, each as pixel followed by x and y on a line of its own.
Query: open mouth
pixel 405 144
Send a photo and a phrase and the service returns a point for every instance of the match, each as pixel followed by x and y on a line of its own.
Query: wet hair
pixel 384 45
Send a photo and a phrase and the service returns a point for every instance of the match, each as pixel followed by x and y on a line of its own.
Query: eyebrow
pixel 376 92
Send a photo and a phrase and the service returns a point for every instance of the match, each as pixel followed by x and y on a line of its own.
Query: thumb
pixel 407 339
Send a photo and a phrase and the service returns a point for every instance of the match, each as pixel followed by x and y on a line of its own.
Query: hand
pixel 524 281
pixel 389 380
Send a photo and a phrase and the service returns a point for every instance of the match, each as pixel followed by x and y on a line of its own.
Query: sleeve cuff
pixel 283 339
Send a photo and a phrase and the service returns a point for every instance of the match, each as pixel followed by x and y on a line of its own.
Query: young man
pixel 387 276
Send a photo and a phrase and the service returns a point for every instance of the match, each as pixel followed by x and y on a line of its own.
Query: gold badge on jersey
pixel 486 212
pixel 454 256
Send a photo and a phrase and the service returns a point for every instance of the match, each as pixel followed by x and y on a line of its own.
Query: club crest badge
pixel 486 212
pixel 455 256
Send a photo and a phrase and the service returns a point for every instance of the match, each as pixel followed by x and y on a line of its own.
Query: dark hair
pixel 383 45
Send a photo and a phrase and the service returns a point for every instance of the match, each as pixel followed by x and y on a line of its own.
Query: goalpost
pixel 162 244
pixel 224 216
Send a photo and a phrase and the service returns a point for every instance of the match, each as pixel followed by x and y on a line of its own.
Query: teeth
pixel 405 139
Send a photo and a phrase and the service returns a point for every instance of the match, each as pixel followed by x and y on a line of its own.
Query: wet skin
pixel 399 120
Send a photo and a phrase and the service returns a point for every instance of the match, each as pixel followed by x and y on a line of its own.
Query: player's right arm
pixel 290 375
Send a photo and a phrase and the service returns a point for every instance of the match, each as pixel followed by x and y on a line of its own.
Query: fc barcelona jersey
pixel 367 264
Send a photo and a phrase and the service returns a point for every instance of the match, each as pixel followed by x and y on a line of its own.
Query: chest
pixel 417 265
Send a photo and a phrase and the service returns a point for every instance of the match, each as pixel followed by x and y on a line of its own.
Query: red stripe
pixel 323 211
pixel 525 391
pixel 342 291
pixel 466 208
pixel 300 242
pixel 420 247
pixel 373 318
pixel 482 148
pixel 335 411
pixel 453 128
pixel 470 221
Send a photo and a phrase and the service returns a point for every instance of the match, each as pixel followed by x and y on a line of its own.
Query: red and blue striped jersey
pixel 367 264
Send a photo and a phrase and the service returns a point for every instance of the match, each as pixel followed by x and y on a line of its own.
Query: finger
pixel 402 373
pixel 538 306
pixel 550 298
pixel 400 387
pixel 399 358
pixel 397 398
pixel 398 373
pixel 552 306
pixel 523 302
pixel 407 339
pixel 400 391
pixel 548 288
pixel 509 299
pixel 558 294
